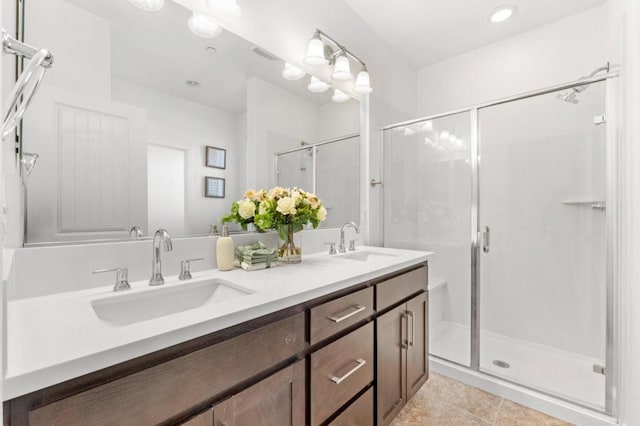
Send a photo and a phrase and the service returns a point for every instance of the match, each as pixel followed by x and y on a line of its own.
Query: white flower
pixel 250 194
pixel 296 196
pixel 322 214
pixel 246 209
pixel 286 205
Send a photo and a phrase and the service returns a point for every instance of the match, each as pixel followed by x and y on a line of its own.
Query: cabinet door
pixel 277 400
pixel 391 349
pixel 418 339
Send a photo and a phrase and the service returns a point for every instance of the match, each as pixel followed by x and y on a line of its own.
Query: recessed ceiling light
pixel 211 50
pixel 193 83
pixel 502 13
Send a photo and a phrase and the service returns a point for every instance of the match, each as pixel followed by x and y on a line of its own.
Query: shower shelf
pixel 436 282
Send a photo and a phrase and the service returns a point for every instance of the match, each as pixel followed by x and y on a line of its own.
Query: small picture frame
pixel 214 187
pixel 216 157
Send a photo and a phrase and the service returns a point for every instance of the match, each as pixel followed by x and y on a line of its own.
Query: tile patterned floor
pixel 446 402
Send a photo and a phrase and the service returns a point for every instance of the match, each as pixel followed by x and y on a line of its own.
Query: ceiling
pixel 428 31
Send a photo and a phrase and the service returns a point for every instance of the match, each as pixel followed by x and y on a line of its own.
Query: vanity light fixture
pixel 204 26
pixel 226 9
pixel 323 50
pixel 315 52
pixel 502 13
pixel 342 69
pixel 339 96
pixel 317 86
pixel 291 72
pixel 148 5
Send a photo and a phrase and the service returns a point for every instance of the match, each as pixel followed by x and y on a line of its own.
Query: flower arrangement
pixel 287 210
pixel 276 207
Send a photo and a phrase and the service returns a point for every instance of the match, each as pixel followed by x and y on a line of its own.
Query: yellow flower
pixel 313 200
pixel 250 194
pixel 261 195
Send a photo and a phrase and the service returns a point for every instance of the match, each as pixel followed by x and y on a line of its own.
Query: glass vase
pixel 289 250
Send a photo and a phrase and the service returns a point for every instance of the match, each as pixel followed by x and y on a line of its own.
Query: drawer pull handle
pixel 356 310
pixel 338 380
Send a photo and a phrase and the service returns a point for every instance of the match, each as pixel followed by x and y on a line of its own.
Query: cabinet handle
pixel 357 310
pixel 405 342
pixel 338 380
pixel 413 328
pixel 486 239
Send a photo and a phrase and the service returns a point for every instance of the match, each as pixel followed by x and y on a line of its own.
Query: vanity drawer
pixel 334 316
pixel 359 413
pixel 339 371
pixel 160 392
pixel 397 288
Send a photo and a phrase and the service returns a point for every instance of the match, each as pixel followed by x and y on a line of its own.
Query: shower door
pixel 427 204
pixel 542 242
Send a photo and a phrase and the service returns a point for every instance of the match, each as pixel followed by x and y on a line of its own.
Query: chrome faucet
pixel 156 275
pixel 341 247
pixel 135 233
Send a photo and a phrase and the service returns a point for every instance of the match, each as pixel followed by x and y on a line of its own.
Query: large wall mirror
pixel 122 123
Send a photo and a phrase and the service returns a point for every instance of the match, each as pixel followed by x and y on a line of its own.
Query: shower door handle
pixel 486 239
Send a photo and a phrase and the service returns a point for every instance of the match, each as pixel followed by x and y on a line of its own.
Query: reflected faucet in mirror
pixel 161 235
pixel 342 248
pixel 135 233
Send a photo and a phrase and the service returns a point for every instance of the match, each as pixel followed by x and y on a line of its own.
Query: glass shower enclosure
pixel 514 198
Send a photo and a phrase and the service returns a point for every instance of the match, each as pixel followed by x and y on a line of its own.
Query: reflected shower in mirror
pixel 331 169
pixel 122 122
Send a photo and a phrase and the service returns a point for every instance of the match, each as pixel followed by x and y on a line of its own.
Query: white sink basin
pixel 367 256
pixel 171 298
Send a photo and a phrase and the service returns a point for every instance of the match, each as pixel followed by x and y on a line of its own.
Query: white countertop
pixel 50 339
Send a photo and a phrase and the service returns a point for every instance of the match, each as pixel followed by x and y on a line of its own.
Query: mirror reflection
pixel 122 124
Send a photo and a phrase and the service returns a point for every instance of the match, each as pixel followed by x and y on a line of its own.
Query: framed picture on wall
pixel 214 187
pixel 216 157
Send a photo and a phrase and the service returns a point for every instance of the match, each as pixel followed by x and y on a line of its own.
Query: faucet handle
pixel 185 266
pixel 352 245
pixel 122 278
pixel 332 247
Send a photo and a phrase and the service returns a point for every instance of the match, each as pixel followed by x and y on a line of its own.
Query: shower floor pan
pixel 563 374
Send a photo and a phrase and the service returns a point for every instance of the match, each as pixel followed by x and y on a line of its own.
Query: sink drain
pixel 501 364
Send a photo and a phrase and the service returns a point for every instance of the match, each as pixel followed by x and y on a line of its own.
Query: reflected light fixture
pixel 226 9
pixel 427 126
pixel 502 13
pixel 323 50
pixel 363 84
pixel 444 134
pixel 148 5
pixel 204 26
pixel 339 96
pixel 342 69
pixel 291 72
pixel 315 52
pixel 408 131
pixel 317 86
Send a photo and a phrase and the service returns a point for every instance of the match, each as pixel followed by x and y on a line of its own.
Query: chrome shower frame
pixel 612 351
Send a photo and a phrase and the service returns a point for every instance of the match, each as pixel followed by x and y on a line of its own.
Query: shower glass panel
pixel 337 177
pixel 542 214
pixel 427 206
pixel 295 169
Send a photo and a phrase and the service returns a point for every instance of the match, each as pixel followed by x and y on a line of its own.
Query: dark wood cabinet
pixel 402 348
pixel 311 363
pixel 277 400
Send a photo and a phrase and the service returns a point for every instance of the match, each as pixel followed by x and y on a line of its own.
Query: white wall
pixel 556 53
pixel 624 46
pixel 179 123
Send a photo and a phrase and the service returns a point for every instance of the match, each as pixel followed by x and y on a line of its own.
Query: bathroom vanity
pixel 335 340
